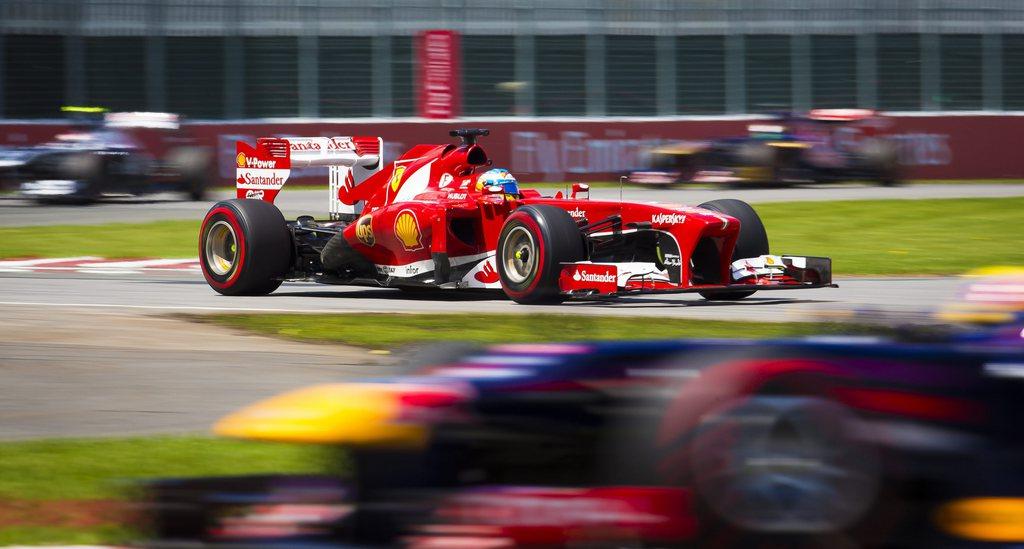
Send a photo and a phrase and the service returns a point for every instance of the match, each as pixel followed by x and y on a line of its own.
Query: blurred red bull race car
pixel 814 442
pixel 820 146
pixel 438 217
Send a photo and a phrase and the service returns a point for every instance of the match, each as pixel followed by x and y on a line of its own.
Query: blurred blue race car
pixel 133 153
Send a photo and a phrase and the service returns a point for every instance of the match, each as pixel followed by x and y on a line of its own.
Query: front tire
pixel 774 465
pixel 245 247
pixel 533 244
pixel 752 242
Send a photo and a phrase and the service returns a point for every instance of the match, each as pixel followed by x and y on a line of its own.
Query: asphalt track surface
pixel 85 372
pixel 189 293
pixel 97 354
pixel 102 355
pixel 15 211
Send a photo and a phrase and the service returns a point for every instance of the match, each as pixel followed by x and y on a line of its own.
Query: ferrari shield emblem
pixel 396 178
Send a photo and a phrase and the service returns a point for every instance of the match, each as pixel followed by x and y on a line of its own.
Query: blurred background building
pixel 220 59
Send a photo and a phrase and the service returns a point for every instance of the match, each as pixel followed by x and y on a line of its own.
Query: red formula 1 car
pixel 439 217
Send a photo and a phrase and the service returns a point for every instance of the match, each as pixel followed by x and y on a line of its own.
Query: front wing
pixel 585 278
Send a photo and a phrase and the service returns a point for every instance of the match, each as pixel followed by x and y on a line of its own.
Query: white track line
pixel 112 267
pixel 183 307
pixel 138 263
pixel 98 265
pixel 45 261
pixel 108 271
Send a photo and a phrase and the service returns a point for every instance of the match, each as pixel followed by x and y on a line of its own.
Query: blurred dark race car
pixel 820 146
pixel 132 153
pixel 815 442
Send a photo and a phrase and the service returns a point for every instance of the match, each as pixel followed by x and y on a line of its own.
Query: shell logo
pixel 407 230
pixel 240 160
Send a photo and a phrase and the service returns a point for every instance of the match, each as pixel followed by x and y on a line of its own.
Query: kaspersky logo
pixel 584 276
pixel 668 219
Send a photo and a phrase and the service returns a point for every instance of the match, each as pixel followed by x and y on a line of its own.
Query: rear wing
pixel 262 171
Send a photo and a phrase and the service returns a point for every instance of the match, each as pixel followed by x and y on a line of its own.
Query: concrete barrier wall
pixel 947 146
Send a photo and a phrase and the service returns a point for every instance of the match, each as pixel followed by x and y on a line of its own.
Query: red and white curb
pixel 99 265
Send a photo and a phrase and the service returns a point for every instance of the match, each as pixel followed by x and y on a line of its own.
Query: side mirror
pixel 580 188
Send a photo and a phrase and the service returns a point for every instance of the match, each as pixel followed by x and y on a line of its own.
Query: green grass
pixel 965 182
pixel 50 535
pixel 864 237
pixel 101 468
pixel 900 236
pixel 77 470
pixel 381 331
pixel 171 239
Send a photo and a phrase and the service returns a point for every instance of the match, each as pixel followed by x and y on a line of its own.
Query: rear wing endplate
pixel 262 171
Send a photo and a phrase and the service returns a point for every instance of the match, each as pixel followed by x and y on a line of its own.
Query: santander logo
pixel 584 276
pixel 668 219
pixel 316 144
pixel 577 213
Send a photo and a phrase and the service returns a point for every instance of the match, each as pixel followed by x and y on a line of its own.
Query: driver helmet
pixel 500 177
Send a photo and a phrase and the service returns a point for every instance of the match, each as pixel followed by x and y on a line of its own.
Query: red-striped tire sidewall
pixel 229 215
pixel 531 225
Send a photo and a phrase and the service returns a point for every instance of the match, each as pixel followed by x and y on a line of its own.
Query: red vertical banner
pixel 439 93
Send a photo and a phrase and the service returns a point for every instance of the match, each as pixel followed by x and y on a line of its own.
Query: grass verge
pixel 381 331
pixel 50 535
pixel 965 182
pixel 83 469
pixel 67 491
pixel 890 237
pixel 864 237
pixel 170 239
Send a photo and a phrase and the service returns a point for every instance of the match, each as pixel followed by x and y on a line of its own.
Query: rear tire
pixel 752 242
pixel 340 258
pixel 245 247
pixel 88 169
pixel 192 164
pixel 881 159
pixel 533 244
